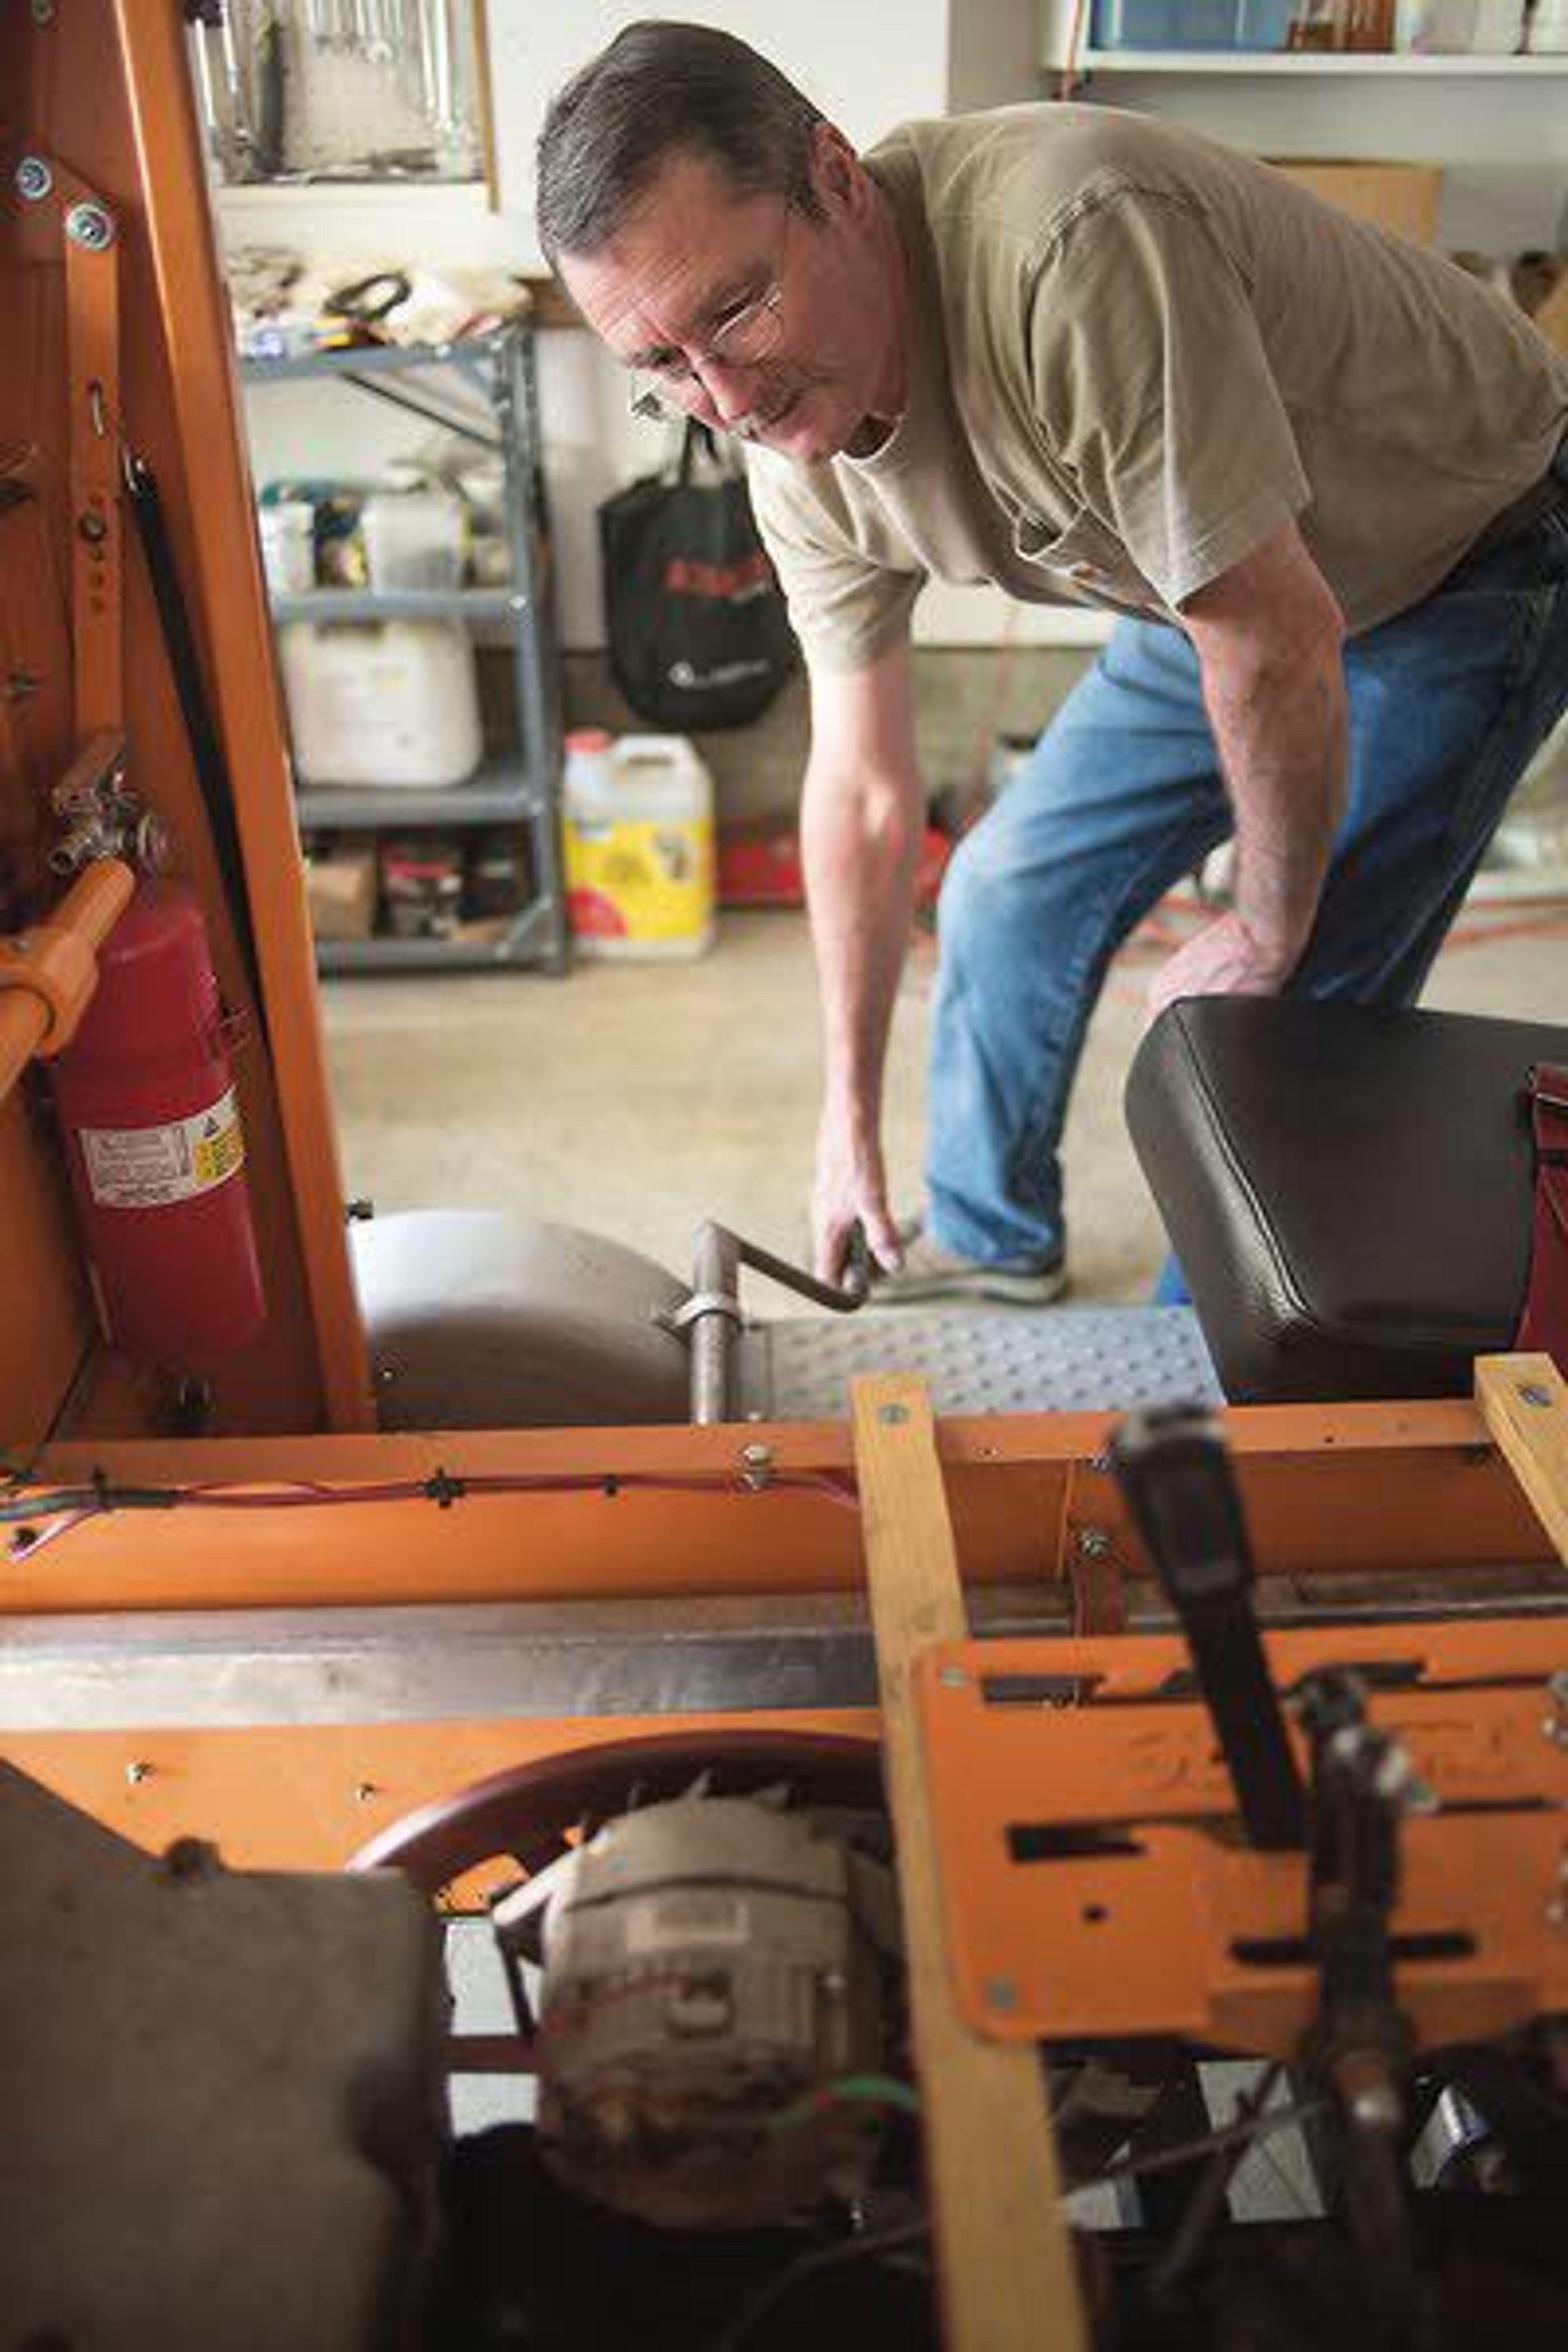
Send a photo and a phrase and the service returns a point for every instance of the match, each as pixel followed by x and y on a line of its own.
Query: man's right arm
pixel 862 823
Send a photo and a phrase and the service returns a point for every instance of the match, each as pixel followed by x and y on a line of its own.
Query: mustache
pixel 781 396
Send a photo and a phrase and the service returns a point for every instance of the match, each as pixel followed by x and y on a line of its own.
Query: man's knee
pixel 983 892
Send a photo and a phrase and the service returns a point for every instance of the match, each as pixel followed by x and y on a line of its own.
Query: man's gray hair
pixel 658 90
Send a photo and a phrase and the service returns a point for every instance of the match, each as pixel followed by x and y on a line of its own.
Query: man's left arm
pixel 1269 635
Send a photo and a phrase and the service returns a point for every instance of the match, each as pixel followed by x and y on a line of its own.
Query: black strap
pixel 696 440
pixel 201 732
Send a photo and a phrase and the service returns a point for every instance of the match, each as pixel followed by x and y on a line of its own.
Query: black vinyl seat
pixel 1348 1188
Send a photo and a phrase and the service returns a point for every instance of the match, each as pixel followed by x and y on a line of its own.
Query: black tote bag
pixel 700 636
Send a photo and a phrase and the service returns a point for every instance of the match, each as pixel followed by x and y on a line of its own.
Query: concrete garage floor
pixel 636 1099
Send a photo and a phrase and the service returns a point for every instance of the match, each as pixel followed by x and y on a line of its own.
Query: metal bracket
pixel 701 1303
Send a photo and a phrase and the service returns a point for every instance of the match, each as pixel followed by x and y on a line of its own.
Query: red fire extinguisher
pixel 157 1156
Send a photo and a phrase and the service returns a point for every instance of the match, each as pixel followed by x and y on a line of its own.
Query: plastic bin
pixel 415 538
pixel 638 830
pixel 381 703
pixel 288 531
pixel 1192 24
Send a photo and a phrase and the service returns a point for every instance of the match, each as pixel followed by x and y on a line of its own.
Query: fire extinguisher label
pixel 149 1166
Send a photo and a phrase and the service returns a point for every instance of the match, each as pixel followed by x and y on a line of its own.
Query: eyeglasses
pixel 745 336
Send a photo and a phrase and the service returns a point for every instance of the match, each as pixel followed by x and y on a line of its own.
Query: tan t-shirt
pixel 1133 355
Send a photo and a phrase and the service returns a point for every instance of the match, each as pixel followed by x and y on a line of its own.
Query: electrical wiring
pixel 851 2090
pixel 70 1507
pixel 767 2299
pixel 1243 2133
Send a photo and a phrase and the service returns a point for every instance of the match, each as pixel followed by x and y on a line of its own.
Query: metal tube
pixel 715 1275
pixel 83 921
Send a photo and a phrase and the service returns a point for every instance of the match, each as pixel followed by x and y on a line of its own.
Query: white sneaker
pixel 930 1272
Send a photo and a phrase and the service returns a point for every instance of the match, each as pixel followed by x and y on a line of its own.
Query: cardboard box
pixel 1403 197
pixel 339 891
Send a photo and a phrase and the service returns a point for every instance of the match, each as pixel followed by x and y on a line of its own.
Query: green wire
pixel 850 2090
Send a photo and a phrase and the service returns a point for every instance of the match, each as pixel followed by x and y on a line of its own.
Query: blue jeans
pixel 1122 797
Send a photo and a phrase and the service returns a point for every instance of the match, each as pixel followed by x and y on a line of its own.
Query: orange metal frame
pixel 1381 1491
pixel 1095 1882
pixel 1334 1488
pixel 128 346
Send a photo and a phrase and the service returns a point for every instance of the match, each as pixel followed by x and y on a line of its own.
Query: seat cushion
pixel 1348 1188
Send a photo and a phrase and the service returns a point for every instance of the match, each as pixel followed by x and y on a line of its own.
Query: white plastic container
pixel 1458 27
pixel 637 832
pixel 415 538
pixel 288 531
pixel 382 704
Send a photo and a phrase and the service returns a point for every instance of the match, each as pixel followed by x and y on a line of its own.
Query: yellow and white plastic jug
pixel 637 833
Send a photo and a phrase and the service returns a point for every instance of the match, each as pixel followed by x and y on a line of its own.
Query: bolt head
pixel 35 180
pixel 91 226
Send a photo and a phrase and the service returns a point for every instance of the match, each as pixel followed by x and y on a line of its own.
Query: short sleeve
pixel 1154 389
pixel 848 603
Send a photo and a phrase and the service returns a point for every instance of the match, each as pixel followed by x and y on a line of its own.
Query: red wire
pixel 311 1494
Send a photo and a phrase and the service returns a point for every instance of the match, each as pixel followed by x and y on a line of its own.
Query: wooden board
pixel 1003 2246
pixel 1525 1402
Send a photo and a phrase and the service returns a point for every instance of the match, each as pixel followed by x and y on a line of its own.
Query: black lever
pixel 1172 1464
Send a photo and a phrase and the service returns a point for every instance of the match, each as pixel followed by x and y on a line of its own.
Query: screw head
pixel 42 12
pixel 1001 1992
pixel 136 1772
pixel 1093 1543
pixel 952 1677
pixel 365 1791
pixel 893 1414
pixel 756 1457
pixel 35 180
pixel 91 226
pixel 1531 1392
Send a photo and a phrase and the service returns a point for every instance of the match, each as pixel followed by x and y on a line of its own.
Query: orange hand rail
pixel 48 974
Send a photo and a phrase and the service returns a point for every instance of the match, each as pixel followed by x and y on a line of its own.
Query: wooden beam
pixel 1005 2249
pixel 1525 1400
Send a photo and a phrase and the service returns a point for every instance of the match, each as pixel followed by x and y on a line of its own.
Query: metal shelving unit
pixel 519 788
pixel 1472 64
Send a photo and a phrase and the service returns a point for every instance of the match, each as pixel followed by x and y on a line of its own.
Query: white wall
pixel 865 67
